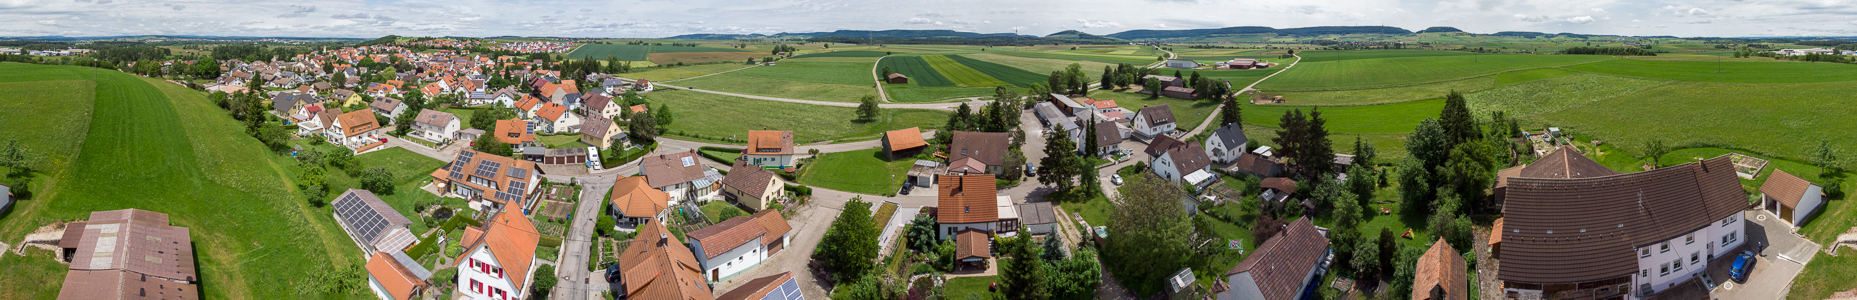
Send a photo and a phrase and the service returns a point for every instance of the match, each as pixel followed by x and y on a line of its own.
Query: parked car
pixel 907 185
pixel 1742 265
pixel 1030 170
pixel 1116 179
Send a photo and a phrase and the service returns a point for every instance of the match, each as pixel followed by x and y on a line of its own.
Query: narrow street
pixel 576 281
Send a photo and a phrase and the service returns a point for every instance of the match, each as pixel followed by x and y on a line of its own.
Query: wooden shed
pixel 897 78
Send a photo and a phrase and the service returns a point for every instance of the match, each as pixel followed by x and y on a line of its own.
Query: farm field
pixel 635 52
pixel 1385 118
pixel 1416 92
pixel 1014 76
pixel 1779 119
pixel 853 53
pixel 914 94
pixel 960 74
pixel 1553 94
pixel 845 71
pixel 1040 66
pixel 677 73
pixel 1735 70
pixel 760 86
pixel 157 146
pixel 1342 55
pixel 918 70
pixel 672 58
pixel 716 118
pixel 861 171
pixel 1385 72
pixel 59 109
pixel 1100 59
pixel 1239 78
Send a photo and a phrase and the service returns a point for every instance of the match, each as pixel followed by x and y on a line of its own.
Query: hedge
pixel 549 241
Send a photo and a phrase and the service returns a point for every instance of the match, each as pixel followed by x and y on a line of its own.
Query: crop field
pixel 1332 55
pixel 635 52
pixel 1735 70
pixel 961 75
pixel 1416 92
pixel 1385 118
pixel 716 118
pixel 908 94
pixel 1100 59
pixel 1040 66
pixel 918 70
pixel 670 58
pixel 157 146
pixel 1014 76
pixel 855 53
pixel 1554 94
pixel 847 71
pixel 760 86
pixel 1777 119
pixel 1383 72
pixel 670 74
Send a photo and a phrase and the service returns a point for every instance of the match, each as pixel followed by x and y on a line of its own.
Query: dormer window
pixel 967 209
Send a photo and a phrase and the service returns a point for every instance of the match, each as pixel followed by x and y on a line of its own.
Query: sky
pixel 663 18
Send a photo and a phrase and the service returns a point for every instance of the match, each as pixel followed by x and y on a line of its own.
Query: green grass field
pixel 677 73
pixel 1386 118
pixel 1734 70
pixel 918 71
pixel 961 75
pixel 759 86
pixel 1055 56
pixel 1040 66
pixel 157 146
pixel 968 288
pixel 913 94
pixel 1385 72
pixel 717 118
pixel 1779 119
pixel 1553 94
pixel 1341 55
pixel 856 53
pixel 861 171
pixel 1014 76
pixel 635 52
pixel 827 70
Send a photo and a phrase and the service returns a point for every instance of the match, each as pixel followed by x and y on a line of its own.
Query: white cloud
pixel 918 21
pixel 1599 10
pixel 1579 19
pixel 49 22
pixel 1698 11
pixel 1160 25
pixel 1527 18
pixel 1097 24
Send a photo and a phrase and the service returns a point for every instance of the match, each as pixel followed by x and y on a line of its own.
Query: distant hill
pixel 1440 29
pixel 1305 31
pixel 1073 35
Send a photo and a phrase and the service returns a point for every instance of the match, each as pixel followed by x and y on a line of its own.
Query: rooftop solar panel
pixel 518 173
pixel 488 169
pixel 362 220
pixel 465 156
pixel 516 187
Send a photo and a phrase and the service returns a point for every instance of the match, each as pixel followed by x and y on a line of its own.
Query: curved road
pixel 1215 109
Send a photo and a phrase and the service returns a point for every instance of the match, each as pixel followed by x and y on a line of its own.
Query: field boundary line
pixel 707 75
pixel 1434 81
pixel 881 94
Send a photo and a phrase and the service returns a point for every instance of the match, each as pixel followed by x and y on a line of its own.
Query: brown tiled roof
pixel 671 168
pixel 749 179
pixel 757 288
pixel 1495 232
pixel 512 239
pixel 656 266
pixel 1582 229
pixel 1502 176
pixel 513 132
pixel 357 122
pixel 967 165
pixel 905 138
pixel 435 118
pixel 135 240
pixel 972 243
pixel 551 111
pixel 639 108
pixel 1440 266
pixel 1189 157
pixel 1785 188
pixel 896 75
pixel 634 198
pixel 1279 265
pixel 1160 144
pixel 967 199
pixel 1279 183
pixel 774 223
pixel 988 147
pixel 596 102
pixel 1107 133
pixel 725 236
pixel 1255 164
pixel 1565 162
pixel 120 284
pixel 393 277
pixel 598 126
pixel 386 103
pixel 503 176
pixel 1158 114
pixel 761 141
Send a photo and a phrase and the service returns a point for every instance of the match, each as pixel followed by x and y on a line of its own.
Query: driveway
pixel 576 281
pixel 1774 267
pixel 809 224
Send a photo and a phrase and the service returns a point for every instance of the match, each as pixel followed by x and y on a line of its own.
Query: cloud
pixel 1527 18
pixel 1599 10
pixel 931 15
pixel 1160 25
pixel 1698 11
pixel 1097 24
pixel 48 22
pixel 355 16
pixel 1579 19
pixel 918 21
pixel 298 11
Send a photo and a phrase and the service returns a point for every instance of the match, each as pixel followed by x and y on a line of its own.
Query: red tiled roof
pixel 1785 188
pixel 738 231
pixel 551 111
pixel 906 138
pixel 1565 162
pixel 393 277
pixel 760 142
pixel 1441 266
pixel 656 266
pixel 512 239
pixel 972 243
pixel 967 199
pixel 634 198
pixel 1279 183
pixel 513 132
pixel 757 288
pixel 357 122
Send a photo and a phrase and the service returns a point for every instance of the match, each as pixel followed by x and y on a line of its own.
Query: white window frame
pixel 1678 263
pixel 1691 239
pixel 1664 269
pixel 1695 258
pixel 1663 248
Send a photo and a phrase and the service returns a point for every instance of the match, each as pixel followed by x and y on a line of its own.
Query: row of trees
pixel 1608 51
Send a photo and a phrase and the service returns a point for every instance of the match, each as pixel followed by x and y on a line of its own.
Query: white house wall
pixel 1707 244
pixel 466 273
pixel 948 230
pixel 1164 166
pixel 1243 287
pixel 734 261
pixel 1813 200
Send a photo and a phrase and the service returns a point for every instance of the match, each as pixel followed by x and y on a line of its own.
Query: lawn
pixel 464 118
pixel 1734 70
pixel 727 119
pixel 157 146
pixel 1188 112
pixel 718 211
pixel 918 71
pixel 1776 119
pixel 861 171
pixel 960 74
pixel 564 140
pixel 678 73
pixel 728 156
pixel 1386 72
pixel 968 288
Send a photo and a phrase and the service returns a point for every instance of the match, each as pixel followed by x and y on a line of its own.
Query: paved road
pixel 941 106
pixel 576 281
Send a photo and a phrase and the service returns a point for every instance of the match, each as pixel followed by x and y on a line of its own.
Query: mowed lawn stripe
pixel 1011 75
pixel 960 74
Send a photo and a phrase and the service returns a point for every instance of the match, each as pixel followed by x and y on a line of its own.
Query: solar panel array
pixel 488 169
pixel 457 170
pixel 787 291
pixel 362 220
pixel 507 197
pixel 465 156
pixel 518 172
pixel 516 187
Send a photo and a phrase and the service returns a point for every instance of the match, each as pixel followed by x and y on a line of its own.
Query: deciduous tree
pixel 849 247
pixel 1150 228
